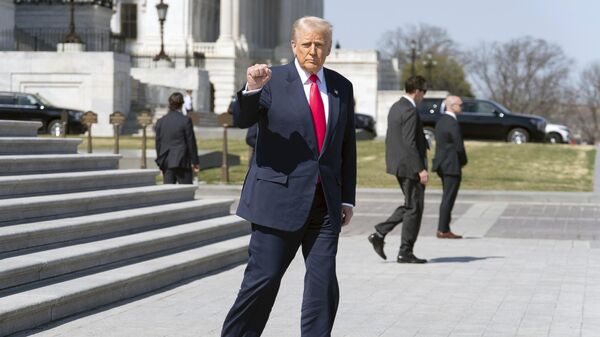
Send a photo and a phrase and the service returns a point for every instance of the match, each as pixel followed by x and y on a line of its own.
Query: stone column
pixel 285 22
pixel 225 20
pixel 236 19
pixel 283 52
pixel 7 24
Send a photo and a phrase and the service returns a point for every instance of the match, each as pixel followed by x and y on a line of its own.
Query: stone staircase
pixel 76 233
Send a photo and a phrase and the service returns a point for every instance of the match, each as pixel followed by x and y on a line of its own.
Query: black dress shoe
pixel 377 241
pixel 411 258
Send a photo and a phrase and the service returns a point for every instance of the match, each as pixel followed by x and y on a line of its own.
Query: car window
pixel 469 107
pixel 7 99
pixel 485 108
pixel 478 108
pixel 25 100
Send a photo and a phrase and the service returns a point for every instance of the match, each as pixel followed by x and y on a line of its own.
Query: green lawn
pixel 498 166
pixel 492 165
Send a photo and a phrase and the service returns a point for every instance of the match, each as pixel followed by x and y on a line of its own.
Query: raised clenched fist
pixel 257 76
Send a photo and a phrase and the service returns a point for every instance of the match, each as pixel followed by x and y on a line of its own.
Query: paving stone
pixel 533 271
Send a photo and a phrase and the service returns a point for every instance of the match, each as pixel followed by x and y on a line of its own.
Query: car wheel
pixel 55 128
pixel 429 135
pixel 518 136
pixel 554 138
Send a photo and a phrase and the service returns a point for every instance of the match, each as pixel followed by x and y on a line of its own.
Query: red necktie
pixel 318 111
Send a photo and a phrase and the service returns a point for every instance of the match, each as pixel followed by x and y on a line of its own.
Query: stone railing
pixel 103 3
pixel 46 39
pixel 206 48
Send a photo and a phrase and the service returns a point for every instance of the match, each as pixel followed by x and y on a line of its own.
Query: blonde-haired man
pixel 300 188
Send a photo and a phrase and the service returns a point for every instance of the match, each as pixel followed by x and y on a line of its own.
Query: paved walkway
pixel 530 266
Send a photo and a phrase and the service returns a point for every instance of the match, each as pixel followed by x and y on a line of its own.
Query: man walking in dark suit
pixel 406 159
pixel 176 151
pixel 450 157
pixel 300 188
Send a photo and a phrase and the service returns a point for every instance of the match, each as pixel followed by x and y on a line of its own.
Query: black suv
pixel 365 122
pixel 485 119
pixel 29 107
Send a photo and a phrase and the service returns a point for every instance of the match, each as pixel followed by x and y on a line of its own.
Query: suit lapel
pixel 295 90
pixel 334 108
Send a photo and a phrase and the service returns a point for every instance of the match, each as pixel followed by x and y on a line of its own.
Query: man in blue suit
pixel 300 188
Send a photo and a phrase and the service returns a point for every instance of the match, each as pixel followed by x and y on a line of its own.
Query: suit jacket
pixel 450 155
pixel 405 142
pixel 175 142
pixel 251 136
pixel 279 188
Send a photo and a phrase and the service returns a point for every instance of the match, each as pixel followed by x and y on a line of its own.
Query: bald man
pixel 450 157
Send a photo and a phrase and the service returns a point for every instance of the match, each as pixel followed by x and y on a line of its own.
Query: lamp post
pixel 161 8
pixel 72 37
pixel 413 57
pixel 429 64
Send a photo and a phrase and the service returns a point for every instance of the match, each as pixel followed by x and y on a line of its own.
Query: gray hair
pixel 313 23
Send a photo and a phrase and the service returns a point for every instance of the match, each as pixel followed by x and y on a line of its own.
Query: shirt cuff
pixel 247 92
pixel 346 204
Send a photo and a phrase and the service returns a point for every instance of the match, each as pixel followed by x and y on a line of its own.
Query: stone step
pixel 29 235
pixel 53 183
pixel 31 145
pixel 39 266
pixel 28 209
pixel 19 128
pixel 53 163
pixel 37 306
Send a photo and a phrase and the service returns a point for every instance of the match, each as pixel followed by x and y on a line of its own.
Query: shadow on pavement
pixel 462 259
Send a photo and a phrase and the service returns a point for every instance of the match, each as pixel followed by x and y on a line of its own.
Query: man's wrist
pixel 247 91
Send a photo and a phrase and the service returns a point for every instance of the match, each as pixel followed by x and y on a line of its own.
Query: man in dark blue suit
pixel 300 188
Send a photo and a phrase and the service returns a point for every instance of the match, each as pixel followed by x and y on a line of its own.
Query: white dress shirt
pixel 451 114
pixel 412 101
pixel 304 77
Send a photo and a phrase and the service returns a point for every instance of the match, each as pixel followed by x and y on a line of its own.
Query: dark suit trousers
pixel 178 175
pixel 450 185
pixel 410 214
pixel 271 252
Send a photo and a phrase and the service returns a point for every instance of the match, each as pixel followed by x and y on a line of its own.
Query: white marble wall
pixel 360 67
pixel 196 25
pixel 183 79
pixel 178 29
pixel 83 81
